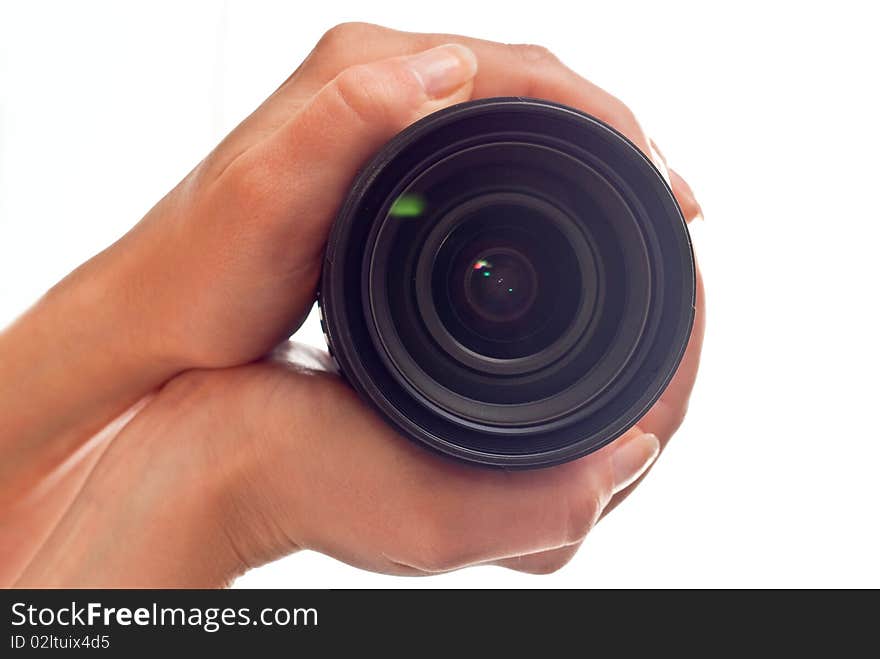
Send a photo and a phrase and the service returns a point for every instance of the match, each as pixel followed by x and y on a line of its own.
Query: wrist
pixel 150 513
pixel 69 365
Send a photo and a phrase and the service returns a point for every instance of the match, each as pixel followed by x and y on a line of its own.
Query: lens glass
pixel 500 285
pixel 499 280
pixel 505 282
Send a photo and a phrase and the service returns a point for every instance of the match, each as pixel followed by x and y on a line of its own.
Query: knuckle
pixel 358 91
pixel 341 36
pixel 376 95
pixel 534 54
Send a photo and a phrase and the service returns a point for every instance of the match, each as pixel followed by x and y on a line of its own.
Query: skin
pixel 148 440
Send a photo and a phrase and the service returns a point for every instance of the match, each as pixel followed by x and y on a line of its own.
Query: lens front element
pixel 500 285
pixel 505 281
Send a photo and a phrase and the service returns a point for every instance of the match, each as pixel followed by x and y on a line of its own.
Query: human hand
pixel 227 263
pixel 225 266
pixel 226 470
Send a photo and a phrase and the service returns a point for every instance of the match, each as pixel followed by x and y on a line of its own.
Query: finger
pixel 538 513
pixel 551 560
pixel 337 479
pixel 690 208
pixel 342 46
pixel 309 162
pixel 505 70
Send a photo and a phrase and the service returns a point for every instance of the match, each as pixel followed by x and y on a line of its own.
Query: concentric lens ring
pixel 439 330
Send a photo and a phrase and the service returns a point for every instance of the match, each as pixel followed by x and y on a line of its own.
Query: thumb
pixel 305 167
pixel 388 94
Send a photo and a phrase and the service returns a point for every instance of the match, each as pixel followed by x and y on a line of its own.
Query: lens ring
pixel 437 328
pixel 545 407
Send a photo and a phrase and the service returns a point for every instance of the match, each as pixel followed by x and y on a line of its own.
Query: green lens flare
pixel 408 205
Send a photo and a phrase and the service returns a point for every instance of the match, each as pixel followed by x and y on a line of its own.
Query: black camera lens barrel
pixel 509 282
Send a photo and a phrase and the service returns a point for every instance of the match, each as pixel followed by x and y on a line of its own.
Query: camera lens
pixel 509 282
pixel 499 285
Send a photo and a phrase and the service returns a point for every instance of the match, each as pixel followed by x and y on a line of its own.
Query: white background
pixel 769 109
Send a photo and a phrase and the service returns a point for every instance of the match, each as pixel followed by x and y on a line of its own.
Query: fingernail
pixel 659 161
pixel 632 459
pixel 443 69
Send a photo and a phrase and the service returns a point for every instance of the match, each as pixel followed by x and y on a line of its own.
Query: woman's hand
pixel 226 470
pixel 225 267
